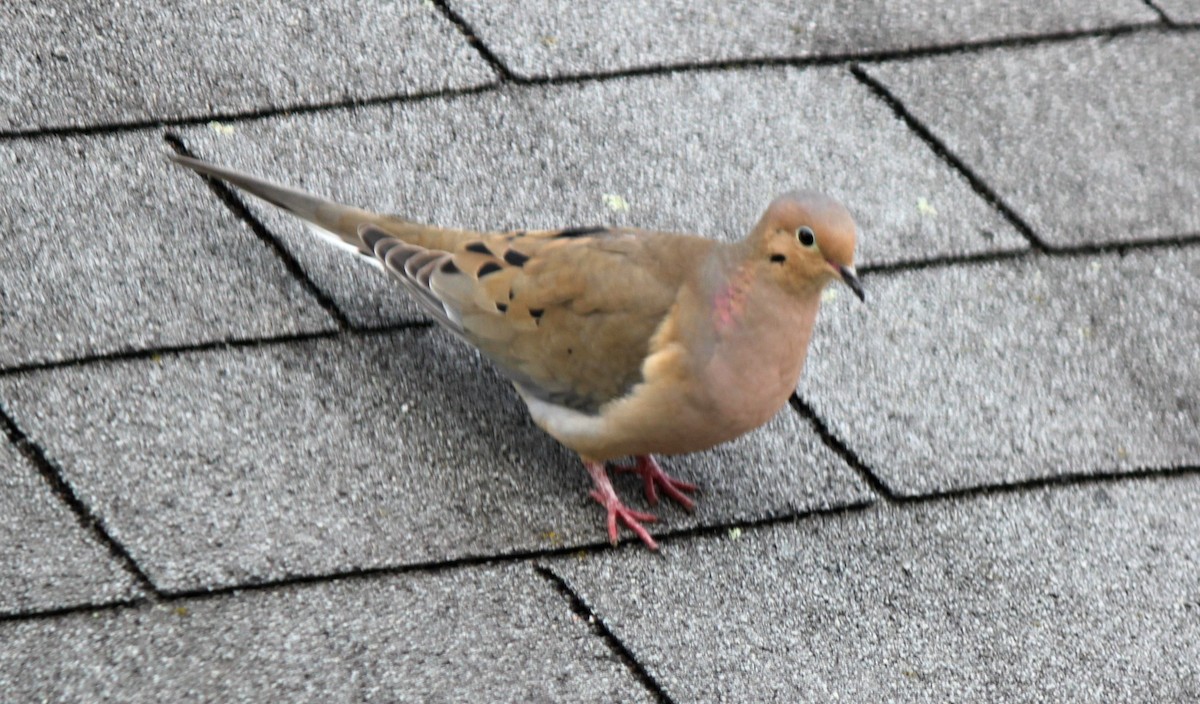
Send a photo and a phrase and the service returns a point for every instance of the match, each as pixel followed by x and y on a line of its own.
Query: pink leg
pixel 604 495
pixel 655 477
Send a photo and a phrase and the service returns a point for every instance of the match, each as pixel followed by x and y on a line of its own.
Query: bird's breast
pixel 757 358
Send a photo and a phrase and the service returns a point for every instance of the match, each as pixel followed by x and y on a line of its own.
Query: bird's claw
pixel 618 512
pixel 654 477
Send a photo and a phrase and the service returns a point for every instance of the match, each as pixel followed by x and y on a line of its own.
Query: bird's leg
pixel 604 494
pixel 655 477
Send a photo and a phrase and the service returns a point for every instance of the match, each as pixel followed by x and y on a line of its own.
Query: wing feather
pixel 569 317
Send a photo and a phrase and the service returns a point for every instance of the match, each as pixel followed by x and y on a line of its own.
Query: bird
pixel 622 342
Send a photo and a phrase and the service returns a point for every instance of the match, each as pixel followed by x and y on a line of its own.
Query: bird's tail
pixel 341 221
pixel 336 223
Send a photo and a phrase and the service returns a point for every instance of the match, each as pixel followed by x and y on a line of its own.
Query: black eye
pixel 806 236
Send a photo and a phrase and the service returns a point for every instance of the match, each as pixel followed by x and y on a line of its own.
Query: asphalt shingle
pixel 1082 594
pixel 700 152
pixel 985 374
pixel 49 561
pixel 87 63
pixel 365 451
pixel 106 250
pixel 1091 141
pixel 570 38
pixel 1180 10
pixel 485 634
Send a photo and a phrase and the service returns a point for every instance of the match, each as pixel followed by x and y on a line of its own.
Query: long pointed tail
pixel 335 218
pixel 341 222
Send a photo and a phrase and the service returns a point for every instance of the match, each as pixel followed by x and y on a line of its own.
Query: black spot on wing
pixel 515 258
pixel 488 268
pixel 579 231
pixel 536 312
pixel 478 248
pixel 502 307
pixel 449 267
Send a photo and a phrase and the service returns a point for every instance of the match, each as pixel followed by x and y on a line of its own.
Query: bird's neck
pixel 729 298
pixel 759 338
pixel 741 294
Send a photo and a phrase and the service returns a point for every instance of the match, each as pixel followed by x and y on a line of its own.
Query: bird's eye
pixel 806 236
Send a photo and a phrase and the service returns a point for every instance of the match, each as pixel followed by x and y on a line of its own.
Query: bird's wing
pixel 568 314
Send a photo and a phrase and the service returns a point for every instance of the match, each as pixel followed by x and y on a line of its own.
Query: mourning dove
pixel 622 342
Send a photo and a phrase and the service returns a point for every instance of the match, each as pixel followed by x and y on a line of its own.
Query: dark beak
pixel 850 278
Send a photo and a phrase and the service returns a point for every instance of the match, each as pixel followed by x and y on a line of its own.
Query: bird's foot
pixel 654 477
pixel 604 495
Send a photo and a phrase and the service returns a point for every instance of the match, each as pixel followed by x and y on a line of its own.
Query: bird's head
pixel 807 239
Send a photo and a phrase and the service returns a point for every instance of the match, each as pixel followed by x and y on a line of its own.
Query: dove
pixel 622 342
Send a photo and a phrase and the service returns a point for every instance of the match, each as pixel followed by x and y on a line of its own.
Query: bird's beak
pixel 850 278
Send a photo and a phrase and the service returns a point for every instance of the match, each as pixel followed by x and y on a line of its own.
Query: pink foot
pixel 655 477
pixel 605 496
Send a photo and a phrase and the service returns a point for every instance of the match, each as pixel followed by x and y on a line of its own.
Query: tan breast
pixel 698 394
